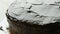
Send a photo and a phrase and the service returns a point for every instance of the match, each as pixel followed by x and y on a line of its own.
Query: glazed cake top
pixel 35 12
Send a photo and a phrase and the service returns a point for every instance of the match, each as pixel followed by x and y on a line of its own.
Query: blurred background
pixel 4 4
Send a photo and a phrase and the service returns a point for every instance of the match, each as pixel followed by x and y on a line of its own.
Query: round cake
pixel 33 17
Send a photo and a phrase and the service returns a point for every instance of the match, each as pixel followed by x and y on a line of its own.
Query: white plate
pixel 4 25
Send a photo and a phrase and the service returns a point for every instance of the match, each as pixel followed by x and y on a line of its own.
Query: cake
pixel 33 17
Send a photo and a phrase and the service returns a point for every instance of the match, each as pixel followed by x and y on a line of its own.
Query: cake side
pixel 20 27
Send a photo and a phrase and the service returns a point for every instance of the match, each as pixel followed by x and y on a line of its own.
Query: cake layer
pixel 20 27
